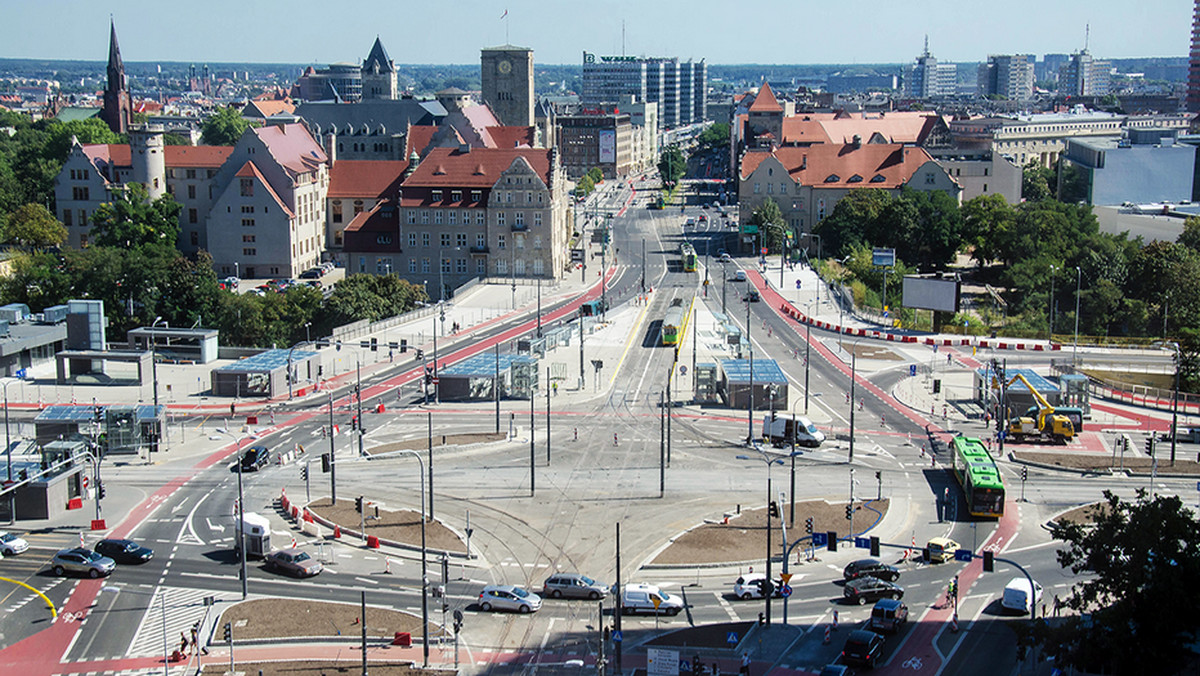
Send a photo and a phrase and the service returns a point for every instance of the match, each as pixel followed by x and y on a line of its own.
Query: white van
pixel 1017 595
pixel 640 598
pixel 781 428
pixel 739 276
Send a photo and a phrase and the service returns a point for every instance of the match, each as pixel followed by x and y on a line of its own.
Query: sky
pixel 719 31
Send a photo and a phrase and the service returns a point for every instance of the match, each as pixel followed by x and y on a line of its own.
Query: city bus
pixel 979 477
pixel 688 257
pixel 674 322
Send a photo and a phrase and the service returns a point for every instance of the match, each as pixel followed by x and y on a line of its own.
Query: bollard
pixel 337 532
pixel 827 635
pixel 387 566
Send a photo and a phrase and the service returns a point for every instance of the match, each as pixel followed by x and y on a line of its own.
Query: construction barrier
pixel 402 639
pixel 372 542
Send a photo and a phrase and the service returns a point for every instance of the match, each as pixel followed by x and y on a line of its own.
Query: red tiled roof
pixel 766 102
pixel 370 179
pixel 174 156
pixel 362 233
pixel 248 170
pixel 269 108
pixel 816 165
pixel 512 137
pixel 292 147
pixel 418 139
pixel 477 168
pixel 904 127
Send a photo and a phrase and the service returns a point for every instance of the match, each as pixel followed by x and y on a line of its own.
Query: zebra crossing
pixel 184 608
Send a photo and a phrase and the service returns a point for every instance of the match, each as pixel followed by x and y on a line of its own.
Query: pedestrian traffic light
pixel 97 413
pixel 808 526
pixel 100 490
pixel 989 562
pixel 229 632
pixel 304 473
pixel 326 463
pixel 954 587
pixel 831 540
pixel 420 353
pixel 354 422
pixel 358 504
pixel 874 546
pixel 849 512
pixel 773 509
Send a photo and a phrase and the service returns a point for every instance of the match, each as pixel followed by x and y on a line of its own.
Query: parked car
pixel 255 458
pixel 573 586
pixel 11 545
pixel 81 561
pixel 863 589
pixel 232 281
pixel 888 616
pixel 641 598
pixel 836 670
pixel 872 567
pixel 863 647
pixel 1017 595
pixel 124 551
pixel 508 597
pixel 752 587
pixel 294 561
pixel 311 273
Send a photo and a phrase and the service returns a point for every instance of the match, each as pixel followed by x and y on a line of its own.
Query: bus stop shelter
pixel 737 382
pixel 266 374
pixel 475 378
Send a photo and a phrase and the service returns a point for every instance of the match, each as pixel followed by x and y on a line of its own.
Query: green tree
pixel 31 226
pixel 714 136
pixel 938 233
pixel 596 174
pixel 1037 182
pixel 131 220
pixel 370 297
pixel 987 220
pixel 1133 589
pixel 671 164
pixel 1190 237
pixel 852 222
pixel 586 185
pixel 771 225
pixel 225 127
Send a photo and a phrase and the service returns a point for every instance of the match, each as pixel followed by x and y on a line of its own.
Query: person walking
pixel 745 664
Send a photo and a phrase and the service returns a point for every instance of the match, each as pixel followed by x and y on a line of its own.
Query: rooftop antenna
pixel 1087 35
pixel 622 37
pixel 927 44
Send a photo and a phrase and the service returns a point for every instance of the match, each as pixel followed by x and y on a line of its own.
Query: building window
pixel 83 218
pixel 358 206
pixel 67 217
pixel 537 241
pixel 537 219
pixel 783 188
pixel 191 192
pixel 425 217
pixel 460 266
pixel 520 241
pixel 445 239
pixel 195 238
pixel 79 194
pixel 770 188
pixel 412 266
pixel 501 266
pixel 985 187
pixel 929 179
pixel 755 188
pixel 445 265
pixel 500 243
pixel 193 216
pixel 460 239
pixel 437 217
pixel 480 217
pixel 247 222
pixel 247 208
pixel 519 219
pixel 480 266
pixel 412 239
pixel 456 196
pixel 247 238
pixel 191 173
pixel 476 195
pixel 435 196
pixel 538 266
pixel 451 218
pixel 500 219
pixel 424 239
pixel 412 216
pixel 337 211
pixel 83 240
pixel 424 265
pixel 481 241
pixel 337 237
pixel 247 187
pixel 249 252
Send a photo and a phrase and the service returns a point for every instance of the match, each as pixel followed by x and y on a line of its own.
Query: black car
pixel 872 567
pixel 863 589
pixel 752 297
pixel 255 458
pixel 124 551
pixel 863 647
pixel 311 273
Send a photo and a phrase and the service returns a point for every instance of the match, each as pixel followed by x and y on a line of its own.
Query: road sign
pixel 21 372
pixel 819 540
pixel 862 543
pixel 786 577
pixel 661 662
pixel 797 284
pixel 656 601
pixel 435 380
pixel 731 638
pixel 682 370
pixel 963 555
pixel 785 591
pixel 883 257
pixel 85 482
pixel 763 251
pixel 912 369
pixel 617 637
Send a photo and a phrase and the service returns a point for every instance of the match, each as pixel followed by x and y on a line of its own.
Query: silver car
pixel 83 562
pixel 294 562
pixel 573 586
pixel 508 597
pixel 12 545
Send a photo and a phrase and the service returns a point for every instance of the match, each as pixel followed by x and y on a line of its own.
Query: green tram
pixel 688 257
pixel 674 322
pixel 979 477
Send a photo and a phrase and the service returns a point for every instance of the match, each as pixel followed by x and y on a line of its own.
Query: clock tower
pixel 507 76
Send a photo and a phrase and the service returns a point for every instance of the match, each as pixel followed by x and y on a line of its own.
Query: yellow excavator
pixel 1047 426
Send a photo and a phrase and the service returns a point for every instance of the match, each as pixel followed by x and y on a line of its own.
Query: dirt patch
pixel 438 441
pixel 319 668
pixel 712 636
pixel 1084 514
pixel 295 618
pixel 1160 380
pixel 1102 463
pixel 399 526
pixel 870 350
pixel 743 538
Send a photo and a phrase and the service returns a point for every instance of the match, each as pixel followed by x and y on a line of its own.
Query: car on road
pixel 863 647
pixel 293 561
pixel 863 589
pixel 1017 595
pixel 647 598
pixel 81 561
pixel 724 256
pixel 255 458
pixel 752 296
pixel 752 587
pixel 888 616
pixel 836 670
pixel 872 567
pixel 124 551
pixel 739 276
pixel 573 586
pixel 941 549
pixel 508 597
pixel 11 545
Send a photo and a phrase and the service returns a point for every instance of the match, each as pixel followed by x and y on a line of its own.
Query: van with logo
pixel 642 598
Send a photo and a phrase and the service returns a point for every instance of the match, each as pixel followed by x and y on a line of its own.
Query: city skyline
pixel 669 28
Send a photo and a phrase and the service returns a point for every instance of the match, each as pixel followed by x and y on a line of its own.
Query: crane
pixel 1048 425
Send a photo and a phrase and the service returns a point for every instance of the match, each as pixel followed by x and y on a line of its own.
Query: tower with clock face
pixel 507 76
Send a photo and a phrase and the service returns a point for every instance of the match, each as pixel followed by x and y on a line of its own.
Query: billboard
pixel 883 257
pixel 608 146
pixel 931 293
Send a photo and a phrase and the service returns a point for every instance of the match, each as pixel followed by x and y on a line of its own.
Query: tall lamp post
pixel 1075 348
pixel 768 461
pixel 154 358
pixel 7 432
pixel 241 510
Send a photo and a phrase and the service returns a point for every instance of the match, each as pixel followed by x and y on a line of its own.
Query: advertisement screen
pixel 608 146
pixel 931 293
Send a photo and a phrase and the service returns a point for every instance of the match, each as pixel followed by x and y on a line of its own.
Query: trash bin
pixel 402 639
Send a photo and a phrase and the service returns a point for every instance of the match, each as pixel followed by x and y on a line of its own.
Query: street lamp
pixel 7 433
pixel 163 610
pixel 768 461
pixel 241 524
pixel 1050 333
pixel 1075 348
pixel 154 358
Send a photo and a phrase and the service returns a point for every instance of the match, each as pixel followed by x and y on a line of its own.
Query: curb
pixel 459 557
pixel 1098 472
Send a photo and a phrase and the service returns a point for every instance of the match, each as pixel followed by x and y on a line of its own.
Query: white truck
pixel 255 533
pixel 780 428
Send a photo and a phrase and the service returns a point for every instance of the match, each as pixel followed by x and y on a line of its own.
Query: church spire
pixel 118 106
pixel 116 67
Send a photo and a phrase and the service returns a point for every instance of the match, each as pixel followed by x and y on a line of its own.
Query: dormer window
pixel 436 195
pixel 832 178
pixel 855 179
pixel 456 196
pixel 878 178
pixel 476 195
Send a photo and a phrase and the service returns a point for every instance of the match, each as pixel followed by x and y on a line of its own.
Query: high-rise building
pixel 506 73
pixel 1007 75
pixel 1048 67
pixel 679 88
pixel 1193 95
pixel 1083 75
pixel 925 78
pixel 118 106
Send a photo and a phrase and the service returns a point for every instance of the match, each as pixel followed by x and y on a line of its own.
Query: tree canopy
pixel 769 219
pixel 131 220
pixel 31 226
pixel 671 164
pixel 225 127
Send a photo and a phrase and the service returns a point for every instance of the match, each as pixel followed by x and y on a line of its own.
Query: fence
pixel 1137 395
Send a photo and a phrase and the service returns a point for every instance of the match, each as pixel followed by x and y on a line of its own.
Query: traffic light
pixel 326 463
pixel 304 473
pixel 954 587
pixel 338 346
pixel 831 541
pixel 97 414
pixel 874 546
pixel 1024 472
pixel 420 353
pixel 358 504
pixel 354 422
pixel 989 562
pixel 100 492
pixel 374 344
pixel 229 632
pixel 1150 445
pixel 849 512
pixel 808 526
pixel 773 509
pixel 428 375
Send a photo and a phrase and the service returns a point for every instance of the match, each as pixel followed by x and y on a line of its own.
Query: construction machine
pixel 1046 426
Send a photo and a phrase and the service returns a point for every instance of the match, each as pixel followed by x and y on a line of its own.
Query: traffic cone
pixel 337 532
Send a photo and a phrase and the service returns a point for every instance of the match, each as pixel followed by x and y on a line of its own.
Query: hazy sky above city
pixel 723 32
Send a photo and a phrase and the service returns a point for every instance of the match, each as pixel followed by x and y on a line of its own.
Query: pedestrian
pixel 196 647
pixel 576 434
pixel 183 643
pixel 232 408
pixel 554 386
pixel 949 358
pixel 614 438
pixel 745 664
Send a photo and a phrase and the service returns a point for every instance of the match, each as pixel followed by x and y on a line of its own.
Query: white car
pixel 647 598
pixel 508 597
pixel 751 587
pixel 1017 595
pixel 11 545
